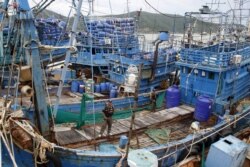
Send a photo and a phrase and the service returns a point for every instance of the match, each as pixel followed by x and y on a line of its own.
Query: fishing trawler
pixel 107 52
pixel 170 134
pixel 52 32
pixel 128 75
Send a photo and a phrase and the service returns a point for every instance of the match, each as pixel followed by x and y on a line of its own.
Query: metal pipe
pixel 155 61
pixel 67 58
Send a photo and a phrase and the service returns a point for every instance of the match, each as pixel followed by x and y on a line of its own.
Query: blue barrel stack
pixel 51 31
pixel 119 31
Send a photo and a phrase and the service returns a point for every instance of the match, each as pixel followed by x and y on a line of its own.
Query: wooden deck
pixel 87 135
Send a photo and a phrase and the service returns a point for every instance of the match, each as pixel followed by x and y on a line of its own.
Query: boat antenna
pixel 170 16
pixel 91 7
pixel 41 6
pixel 128 15
pixel 213 2
pixel 67 58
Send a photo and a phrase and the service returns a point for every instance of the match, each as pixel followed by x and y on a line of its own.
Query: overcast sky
pixel 102 7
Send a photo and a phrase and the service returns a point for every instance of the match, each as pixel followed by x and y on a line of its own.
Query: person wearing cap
pixel 108 112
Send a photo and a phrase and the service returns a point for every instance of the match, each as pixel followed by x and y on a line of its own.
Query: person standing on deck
pixel 153 100
pixel 107 114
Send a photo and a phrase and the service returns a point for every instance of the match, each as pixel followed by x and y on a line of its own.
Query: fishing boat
pixel 171 134
pixel 105 67
pixel 146 72
pixel 52 37
pixel 123 45
pixel 111 81
pixel 51 32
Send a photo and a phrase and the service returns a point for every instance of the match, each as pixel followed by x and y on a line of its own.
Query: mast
pixel 30 39
pixel 67 58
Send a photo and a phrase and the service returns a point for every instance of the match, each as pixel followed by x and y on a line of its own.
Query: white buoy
pixel 131 79
pixel 27 90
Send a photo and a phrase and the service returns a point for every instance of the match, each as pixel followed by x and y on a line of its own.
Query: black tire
pixel 211 140
pixel 194 151
pixel 53 159
pixel 226 132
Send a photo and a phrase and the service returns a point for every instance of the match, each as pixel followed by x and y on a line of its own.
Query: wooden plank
pixel 114 129
pixel 68 137
pixel 139 123
pixel 191 109
pixel 158 117
pixel 121 128
pixel 183 112
pixel 170 116
pixel 88 133
pixel 127 124
pixel 149 118
pixel 93 132
pixel 85 135
pixel 98 128
pixel 162 112
pixel 179 111
pixel 142 120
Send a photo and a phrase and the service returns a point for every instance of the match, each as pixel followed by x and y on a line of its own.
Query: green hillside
pixel 148 22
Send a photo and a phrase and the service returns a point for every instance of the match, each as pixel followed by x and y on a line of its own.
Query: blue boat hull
pixel 172 151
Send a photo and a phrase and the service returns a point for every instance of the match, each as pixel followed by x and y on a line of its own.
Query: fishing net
pixel 159 135
pixel 87 118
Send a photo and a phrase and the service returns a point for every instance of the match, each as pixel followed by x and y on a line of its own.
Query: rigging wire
pixel 173 17
pixel 214 131
pixel 110 7
pixel 60 39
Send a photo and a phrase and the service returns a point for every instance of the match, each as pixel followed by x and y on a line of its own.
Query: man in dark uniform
pixel 107 114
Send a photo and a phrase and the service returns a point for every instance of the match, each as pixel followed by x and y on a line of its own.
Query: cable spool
pixel 25 74
pixel 27 90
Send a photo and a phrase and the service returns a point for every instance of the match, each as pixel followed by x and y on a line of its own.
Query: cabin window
pixel 183 70
pixel 114 68
pixel 98 50
pixel 203 73
pixel 211 75
pixel 93 51
pixel 189 70
pixel 119 70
